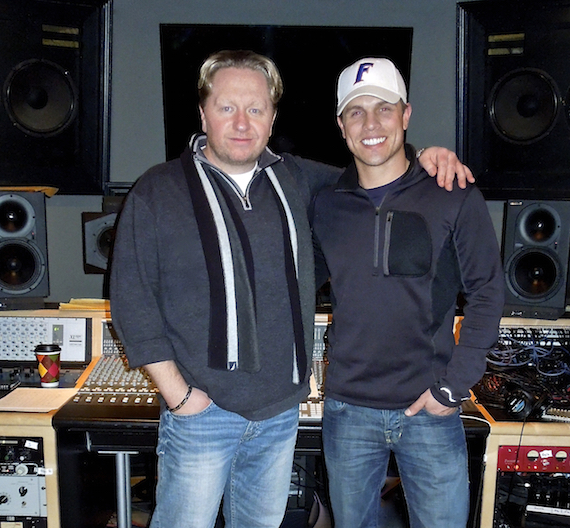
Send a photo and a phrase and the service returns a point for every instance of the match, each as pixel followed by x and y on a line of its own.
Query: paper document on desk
pixel 31 399
pixel 87 304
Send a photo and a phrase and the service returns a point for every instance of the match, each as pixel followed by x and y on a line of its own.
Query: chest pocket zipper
pixel 387 235
pixel 376 258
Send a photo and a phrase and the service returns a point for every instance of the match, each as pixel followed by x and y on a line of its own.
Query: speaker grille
pixel 17 216
pixel 513 105
pixel 536 242
pixel 40 98
pixel 54 85
pixel 22 267
pixel 534 274
pixel 23 246
pixel 98 240
pixel 524 105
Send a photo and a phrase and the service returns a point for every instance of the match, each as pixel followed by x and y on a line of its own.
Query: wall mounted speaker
pixel 513 97
pixel 54 73
pixel 536 239
pixel 23 249
pixel 98 239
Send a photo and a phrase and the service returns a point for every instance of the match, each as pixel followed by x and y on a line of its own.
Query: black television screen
pixel 309 58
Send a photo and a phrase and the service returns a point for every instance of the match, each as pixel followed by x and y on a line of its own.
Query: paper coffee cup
pixel 48 364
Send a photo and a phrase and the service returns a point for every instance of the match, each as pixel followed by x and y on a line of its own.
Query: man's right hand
pixel 173 388
pixel 430 404
pixel 196 403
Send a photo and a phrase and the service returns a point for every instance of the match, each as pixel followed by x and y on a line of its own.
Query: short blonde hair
pixel 239 59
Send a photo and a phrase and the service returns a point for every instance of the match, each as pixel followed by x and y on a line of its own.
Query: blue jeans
pixel 215 453
pixel 431 454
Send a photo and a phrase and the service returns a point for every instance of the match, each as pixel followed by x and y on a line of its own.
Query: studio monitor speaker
pixel 23 249
pixel 54 68
pixel 536 241
pixel 514 88
pixel 99 232
pixel 98 239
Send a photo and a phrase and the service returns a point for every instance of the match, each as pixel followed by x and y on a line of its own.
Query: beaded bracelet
pixel 184 400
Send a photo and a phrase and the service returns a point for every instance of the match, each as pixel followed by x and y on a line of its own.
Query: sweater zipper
pixel 387 235
pixel 377 227
pixel 244 197
pixel 376 240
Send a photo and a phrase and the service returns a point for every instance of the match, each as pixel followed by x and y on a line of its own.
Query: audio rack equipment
pixel 533 486
pixel 20 335
pixel 526 398
pixel 23 499
pixel 312 409
pixel 528 373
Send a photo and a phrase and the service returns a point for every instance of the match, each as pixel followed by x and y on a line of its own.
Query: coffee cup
pixel 48 364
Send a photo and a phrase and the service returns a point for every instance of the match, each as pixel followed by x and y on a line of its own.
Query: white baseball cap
pixel 372 76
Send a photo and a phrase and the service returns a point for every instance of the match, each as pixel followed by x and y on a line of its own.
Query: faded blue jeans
pixel 431 454
pixel 215 453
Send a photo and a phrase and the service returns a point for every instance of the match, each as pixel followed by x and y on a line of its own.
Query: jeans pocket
pixel 440 416
pixel 179 417
pixel 334 405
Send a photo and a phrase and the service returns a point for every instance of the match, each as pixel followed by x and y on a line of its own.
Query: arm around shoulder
pixel 445 166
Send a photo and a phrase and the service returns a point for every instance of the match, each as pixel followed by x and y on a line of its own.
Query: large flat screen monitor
pixel 309 58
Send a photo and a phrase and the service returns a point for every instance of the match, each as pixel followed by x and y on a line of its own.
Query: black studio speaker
pixel 54 72
pixel 536 238
pixel 23 249
pixel 513 97
pixel 98 239
pixel 99 232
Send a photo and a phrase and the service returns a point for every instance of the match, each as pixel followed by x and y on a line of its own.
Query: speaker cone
pixel 40 98
pixel 105 242
pixel 17 216
pixel 98 240
pixel 523 105
pixel 534 274
pixel 539 224
pixel 22 266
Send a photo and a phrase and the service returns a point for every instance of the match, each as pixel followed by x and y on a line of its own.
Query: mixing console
pixel 112 382
pixel 311 411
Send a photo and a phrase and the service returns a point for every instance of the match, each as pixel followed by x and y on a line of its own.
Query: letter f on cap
pixel 362 69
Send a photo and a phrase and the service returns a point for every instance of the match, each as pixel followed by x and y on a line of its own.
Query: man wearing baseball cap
pixel 398 251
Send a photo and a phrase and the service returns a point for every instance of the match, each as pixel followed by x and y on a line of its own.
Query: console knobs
pixel 21 469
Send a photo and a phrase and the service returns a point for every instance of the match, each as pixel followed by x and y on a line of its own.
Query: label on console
pixel 547 509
